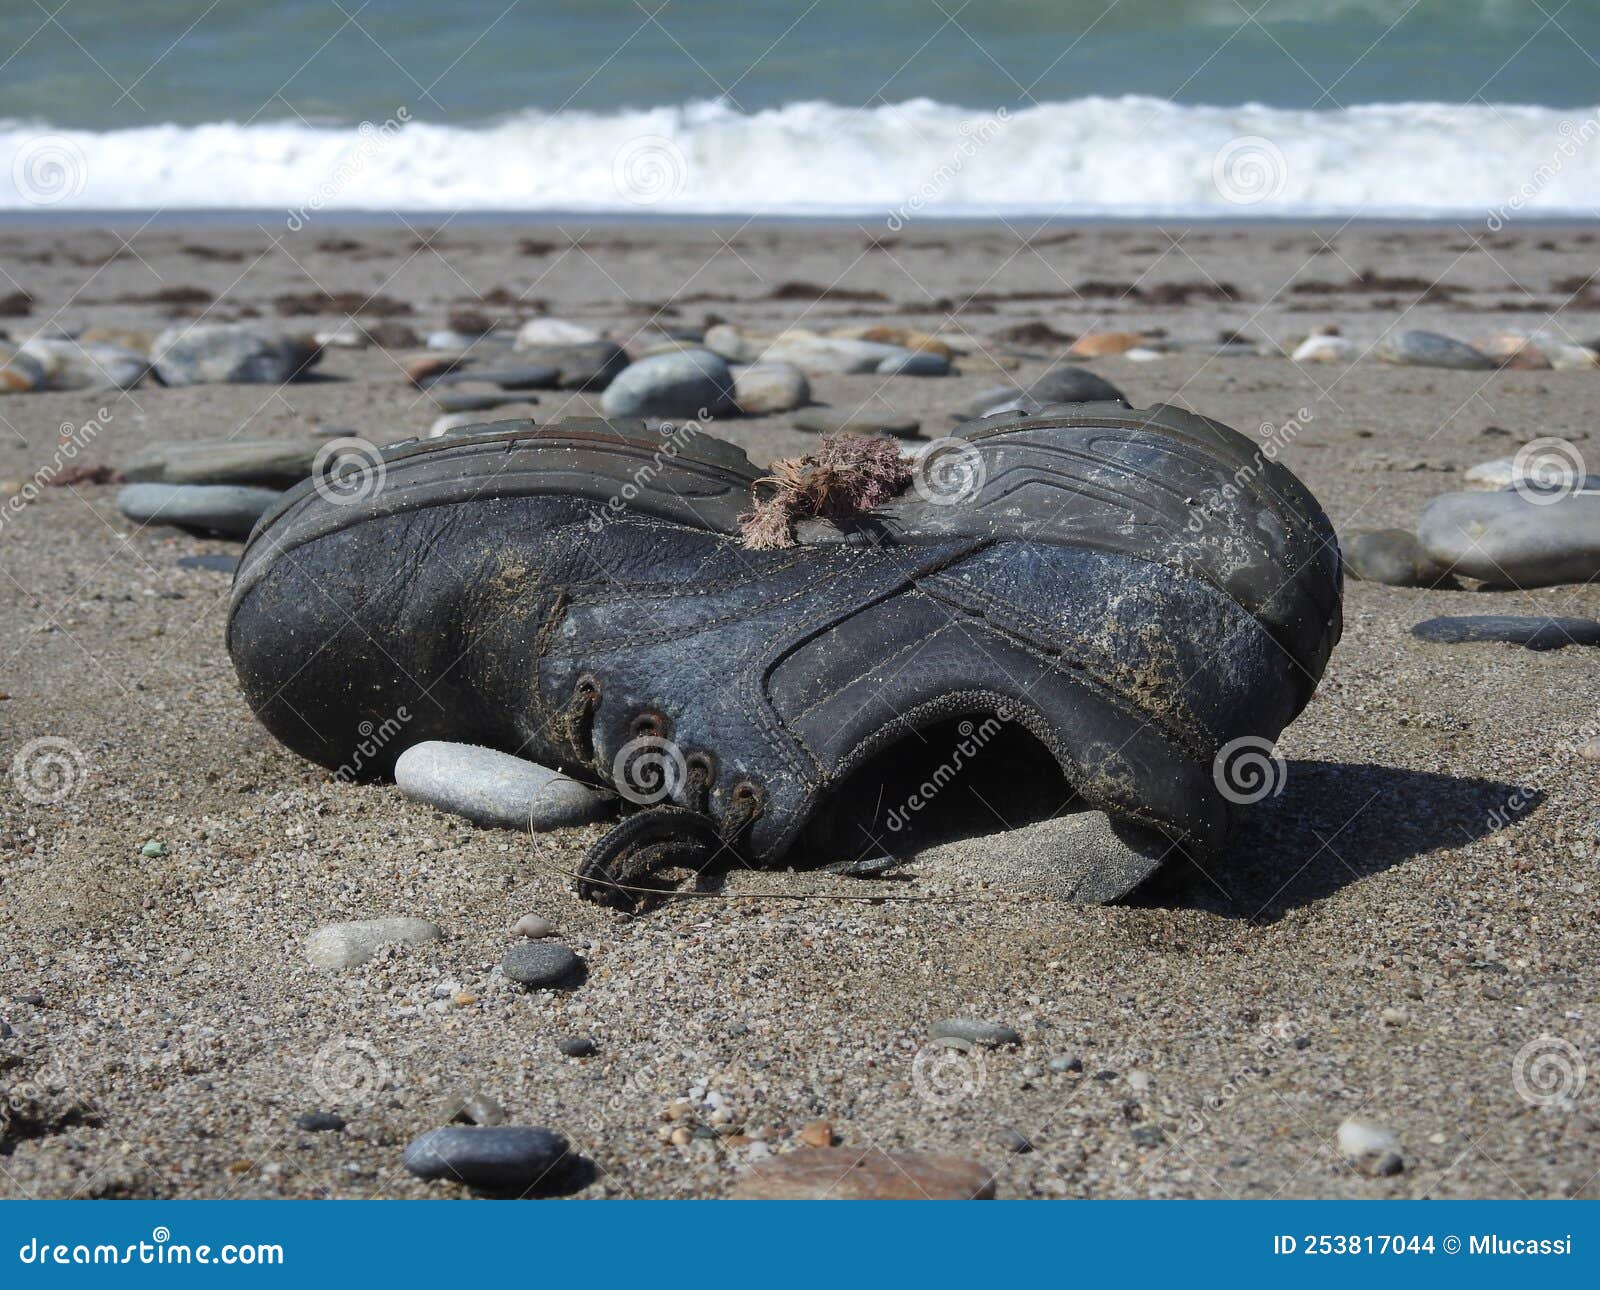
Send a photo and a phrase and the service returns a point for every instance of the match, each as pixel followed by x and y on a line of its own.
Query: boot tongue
pixel 847 476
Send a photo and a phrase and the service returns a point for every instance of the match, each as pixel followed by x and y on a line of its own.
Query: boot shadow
pixel 1333 824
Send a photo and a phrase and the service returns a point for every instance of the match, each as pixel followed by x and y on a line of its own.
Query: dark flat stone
pixel 1510 629
pixel 502 1157
pixel 227 564
pixel 541 963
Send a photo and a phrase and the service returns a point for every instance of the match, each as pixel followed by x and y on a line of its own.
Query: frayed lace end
pixel 846 476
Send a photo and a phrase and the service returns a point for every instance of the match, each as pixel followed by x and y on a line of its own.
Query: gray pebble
pixel 541 963
pixel 1510 629
pixel 987 1034
pixel 1429 349
pixel 234 353
pixel 471 401
pixel 1018 1144
pixel 539 376
pixel 1066 1065
pixel 263 463
pixel 320 1122
pixel 1506 539
pixel 1393 557
pixel 681 384
pixel 495 789
pixel 500 1158
pixel 226 509
pixel 577 1046
pixel 916 362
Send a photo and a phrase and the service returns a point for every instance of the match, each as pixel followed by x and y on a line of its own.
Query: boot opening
pixel 958 778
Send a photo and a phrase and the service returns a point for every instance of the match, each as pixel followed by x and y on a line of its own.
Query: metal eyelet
pixel 649 724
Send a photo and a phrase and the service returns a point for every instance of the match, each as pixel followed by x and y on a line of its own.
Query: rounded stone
pixel 770 387
pixel 1507 539
pixel 687 383
pixel 554 331
pixel 541 964
pixel 229 353
pixel 504 1157
pixel 261 463
pixel 1075 385
pixel 1430 349
pixel 986 1034
pixel 319 1122
pixel 1393 557
pixel 577 1046
pixel 919 362
pixel 343 945
pixel 230 510
pixel 1509 629
pixel 534 927
pixel 495 789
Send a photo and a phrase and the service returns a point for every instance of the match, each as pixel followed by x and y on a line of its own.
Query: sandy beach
pixel 1400 936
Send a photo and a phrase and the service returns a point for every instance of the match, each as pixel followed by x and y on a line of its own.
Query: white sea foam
pixel 1091 156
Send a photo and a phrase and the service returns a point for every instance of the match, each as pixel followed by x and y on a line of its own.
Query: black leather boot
pixel 1134 590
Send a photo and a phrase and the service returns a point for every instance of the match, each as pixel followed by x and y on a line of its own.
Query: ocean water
pixel 897 108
